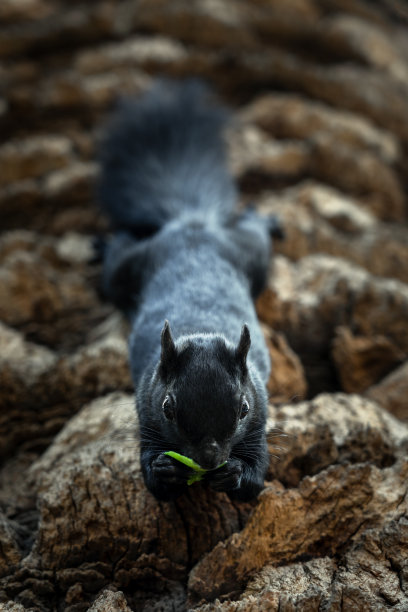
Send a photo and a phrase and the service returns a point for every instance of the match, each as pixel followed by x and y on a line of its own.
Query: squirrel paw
pixel 228 477
pixel 166 471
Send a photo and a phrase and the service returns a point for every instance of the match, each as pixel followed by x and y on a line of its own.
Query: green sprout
pixel 198 470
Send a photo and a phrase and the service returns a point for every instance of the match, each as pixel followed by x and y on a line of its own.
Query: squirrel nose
pixel 209 456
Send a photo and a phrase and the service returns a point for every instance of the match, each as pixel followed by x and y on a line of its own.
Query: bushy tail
pixel 163 157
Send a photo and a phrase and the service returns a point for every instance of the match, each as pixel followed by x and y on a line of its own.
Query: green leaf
pixel 186 460
pixel 199 471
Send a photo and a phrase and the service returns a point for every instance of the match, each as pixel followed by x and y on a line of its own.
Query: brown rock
pixel 56 26
pixel 360 174
pixel 117 532
pixel 381 99
pixel 252 150
pixel 362 577
pixel 287 381
pixel 60 202
pixel 111 416
pixel 316 518
pixel 11 606
pixel 10 554
pixel 292 116
pixel 361 361
pixel 368 11
pixel 294 585
pixel 18 201
pixel 368 42
pixel 391 392
pixel 33 292
pixel 332 428
pixel 337 293
pixel 41 392
pixel 354 426
pixel 24 361
pixel 87 94
pixel 214 24
pixel 110 601
pixel 12 10
pixel 145 51
pixel 319 219
pixel 22 365
pixel 33 157
pixel 325 155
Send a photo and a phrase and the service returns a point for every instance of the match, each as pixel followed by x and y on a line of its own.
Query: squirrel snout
pixel 210 456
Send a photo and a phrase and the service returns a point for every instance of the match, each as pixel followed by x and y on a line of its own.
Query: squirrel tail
pixel 163 158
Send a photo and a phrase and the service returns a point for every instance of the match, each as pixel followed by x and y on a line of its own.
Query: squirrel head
pixel 204 396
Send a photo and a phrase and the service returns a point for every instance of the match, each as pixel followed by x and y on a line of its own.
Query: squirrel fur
pixel 185 267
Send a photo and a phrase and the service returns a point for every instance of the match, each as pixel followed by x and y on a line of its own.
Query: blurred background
pixel 319 89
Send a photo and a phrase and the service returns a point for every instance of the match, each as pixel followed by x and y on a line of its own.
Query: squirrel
pixel 185 267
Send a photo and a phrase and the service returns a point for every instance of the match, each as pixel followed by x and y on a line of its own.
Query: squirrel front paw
pixel 226 478
pixel 169 473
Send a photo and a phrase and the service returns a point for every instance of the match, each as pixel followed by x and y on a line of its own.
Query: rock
pixel 33 157
pixel 356 427
pixel 84 95
pixel 361 361
pixel 362 175
pixel 337 293
pixel 316 518
pixel 145 51
pixel 34 293
pixel 287 381
pixel 210 23
pixel 11 606
pixel 24 361
pixel 309 300
pixel 368 42
pixel 70 183
pixel 290 116
pixel 110 601
pixel 380 100
pixel 56 26
pixel 364 577
pixel 318 219
pixel 113 415
pixel 54 198
pixel 10 554
pixel 41 392
pixel 18 10
pixel 92 475
pixel 323 155
pixel 21 367
pixel 391 392
pixel 73 184
pixel 252 151
pixel 332 428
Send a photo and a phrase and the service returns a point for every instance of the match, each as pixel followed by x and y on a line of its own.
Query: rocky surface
pixel 319 89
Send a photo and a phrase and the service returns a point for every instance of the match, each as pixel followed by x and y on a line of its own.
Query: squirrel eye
pixel 168 408
pixel 244 409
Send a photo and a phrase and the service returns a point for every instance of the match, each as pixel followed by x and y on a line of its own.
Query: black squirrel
pixel 181 255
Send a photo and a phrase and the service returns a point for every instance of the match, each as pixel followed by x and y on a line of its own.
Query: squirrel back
pixel 185 267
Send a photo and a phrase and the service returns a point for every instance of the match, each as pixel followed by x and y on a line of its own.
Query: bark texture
pixel 319 89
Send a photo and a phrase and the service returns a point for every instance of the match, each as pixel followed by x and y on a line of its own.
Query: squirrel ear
pixel 168 349
pixel 242 349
